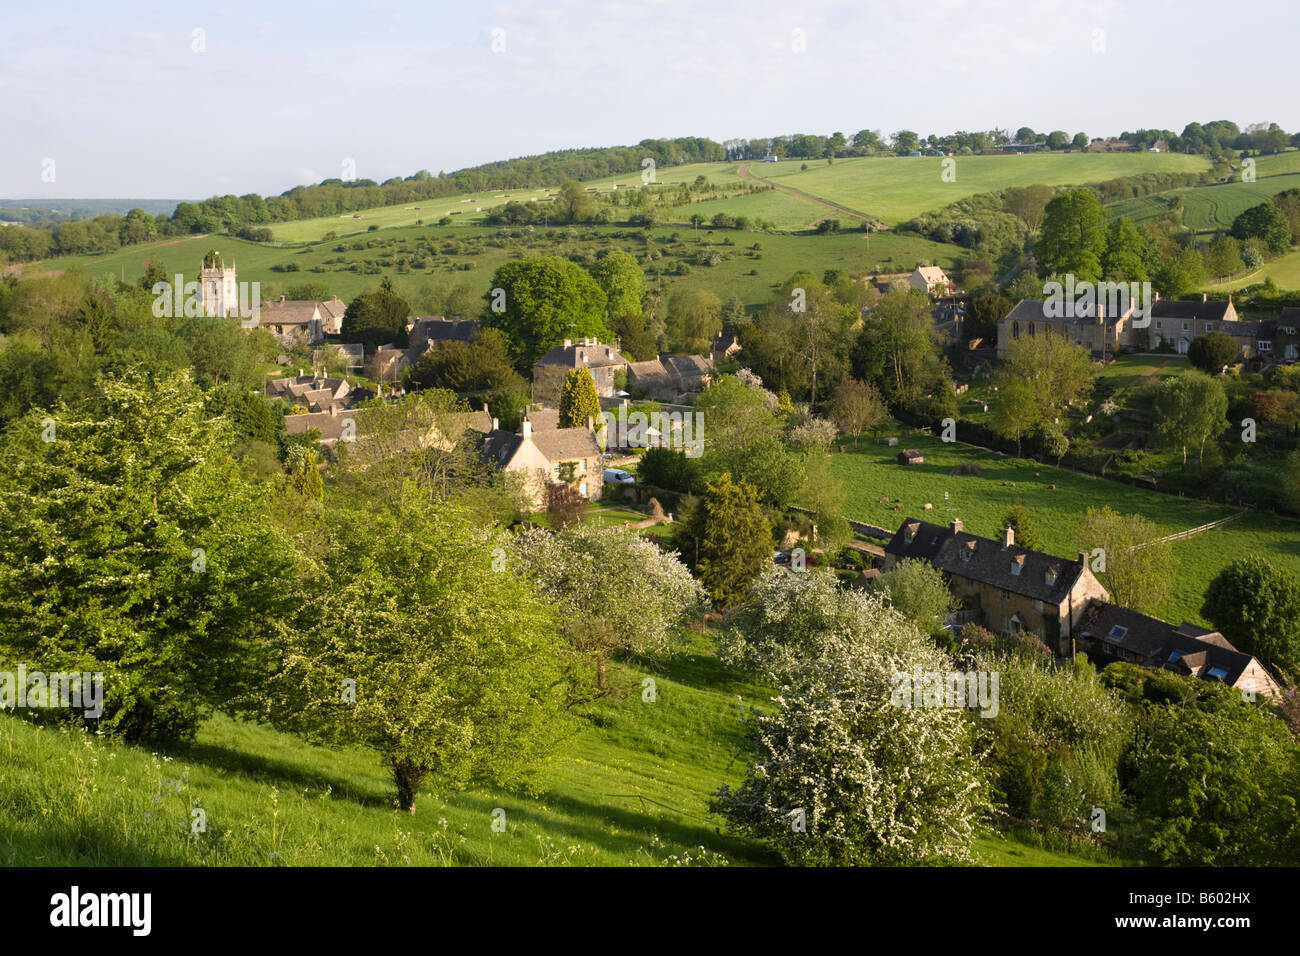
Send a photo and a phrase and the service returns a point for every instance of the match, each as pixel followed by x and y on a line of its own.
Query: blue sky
pixel 284 93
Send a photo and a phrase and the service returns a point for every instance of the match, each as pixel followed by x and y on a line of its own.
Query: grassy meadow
pixel 631 787
pixel 981 501
pixel 452 256
pixel 1208 208
pixel 895 189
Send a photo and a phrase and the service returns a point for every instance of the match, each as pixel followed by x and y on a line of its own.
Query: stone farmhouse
pixel 1112 633
pixel 1173 321
pixel 670 378
pixel 599 359
pixel 931 280
pixel 1180 321
pixel 548 457
pixel 1011 589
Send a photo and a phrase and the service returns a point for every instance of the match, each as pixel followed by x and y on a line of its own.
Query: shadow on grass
pixel 64 844
pixel 569 818
pixel 266 769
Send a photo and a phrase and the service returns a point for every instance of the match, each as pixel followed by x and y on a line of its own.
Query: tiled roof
pixel 582 354
pixel 687 366
pixel 1032 310
pixel 288 312
pixel 1034 574
pixel 1209 310
pixel 566 444
pixel 1186 648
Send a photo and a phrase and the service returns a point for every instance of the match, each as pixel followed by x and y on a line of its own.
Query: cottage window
pixel 1006 595
pixel 1157 324
pixel 1218 673
pixel 582 489
pixel 1038 606
pixel 1015 330
pixel 1117 633
pixel 1015 569
pixel 582 467
pixel 1265 345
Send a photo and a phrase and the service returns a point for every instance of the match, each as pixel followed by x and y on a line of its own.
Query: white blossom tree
pixel 841 776
pixel 614 591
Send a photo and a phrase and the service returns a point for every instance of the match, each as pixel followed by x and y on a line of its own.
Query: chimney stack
pixel 1203 296
pixel 496 425
pixel 956 525
pixel 1083 558
pixel 526 429
pixel 591 424
pixel 1009 537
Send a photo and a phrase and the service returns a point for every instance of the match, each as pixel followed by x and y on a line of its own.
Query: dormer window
pixel 1117 633
pixel 1050 576
pixel 1015 569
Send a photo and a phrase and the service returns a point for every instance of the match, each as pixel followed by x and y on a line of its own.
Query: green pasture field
pixel 895 189
pixel 1208 208
pixel 479 252
pixel 981 502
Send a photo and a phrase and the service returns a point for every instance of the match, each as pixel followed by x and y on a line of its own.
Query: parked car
pixel 617 476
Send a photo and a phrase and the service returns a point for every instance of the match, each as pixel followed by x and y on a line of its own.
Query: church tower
pixel 217 286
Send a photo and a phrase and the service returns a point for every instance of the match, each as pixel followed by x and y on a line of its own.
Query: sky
pixel 169 100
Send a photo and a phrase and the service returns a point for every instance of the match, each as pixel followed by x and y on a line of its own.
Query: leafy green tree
pixel 694 320
pixel 1073 236
pixel 1223 257
pixel 1180 275
pixel 1139 568
pixel 825 786
pixel 982 316
pixel 665 468
pixel 1216 786
pixel 1264 221
pixel 1014 413
pixel 1055 745
pixel 622 281
pixel 1211 353
pixel 479 368
pixel 1190 409
pixel 574 204
pixel 147 347
pixel 220 351
pixel 578 399
pixel 919 591
pixel 134 548
pixel 376 318
pixel 544 300
pixel 1029 203
pixel 857 407
pixel 734 540
pixel 1019 520
pixel 306 478
pixel 1256 606
pixel 898 348
pixel 1042 377
pixel 742 437
pixel 420 649
pixel 1130 252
